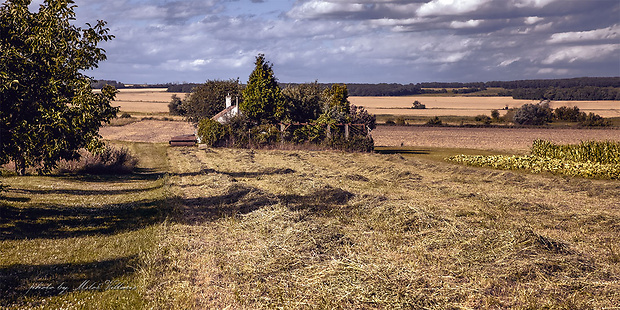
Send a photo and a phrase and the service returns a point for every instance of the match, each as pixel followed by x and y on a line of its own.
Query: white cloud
pixel 507 62
pixel 449 7
pixel 317 8
pixel 530 20
pixel 467 24
pixel 532 3
pixel 609 33
pixel 581 53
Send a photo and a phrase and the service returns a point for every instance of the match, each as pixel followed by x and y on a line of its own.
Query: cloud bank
pixel 357 40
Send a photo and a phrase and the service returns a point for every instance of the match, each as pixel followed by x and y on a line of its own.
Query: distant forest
pixel 583 88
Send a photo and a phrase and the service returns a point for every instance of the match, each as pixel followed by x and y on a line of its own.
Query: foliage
pixel 262 97
pixel 211 132
pixel 594 120
pixel 110 161
pixel 48 110
pixel 175 107
pixel 590 159
pixel 495 115
pixel 263 135
pixel 604 152
pixel 303 102
pixel 336 100
pixel 435 121
pixel 359 115
pixel 483 118
pixel 209 99
pixel 569 114
pixel 537 164
pixel 533 114
pixel 125 115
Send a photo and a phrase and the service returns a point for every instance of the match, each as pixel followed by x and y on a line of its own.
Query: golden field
pixel 144 100
pixel 469 106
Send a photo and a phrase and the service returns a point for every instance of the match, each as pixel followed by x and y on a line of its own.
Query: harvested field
pixel 146 131
pixel 145 100
pixel 518 139
pixel 469 106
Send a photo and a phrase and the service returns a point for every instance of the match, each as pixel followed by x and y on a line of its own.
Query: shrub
pixel 264 134
pixel 569 114
pixel 594 120
pixel 390 121
pixel 533 114
pixel 495 114
pixel 125 115
pixel 604 152
pixel 175 107
pixel 435 121
pixel 483 118
pixel 109 161
pixel 400 121
pixel 211 132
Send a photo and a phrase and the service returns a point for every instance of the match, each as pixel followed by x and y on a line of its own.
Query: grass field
pixel 252 229
pixel 82 242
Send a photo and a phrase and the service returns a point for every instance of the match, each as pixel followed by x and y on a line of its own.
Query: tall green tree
pixel 47 107
pixel 262 98
pixel 303 102
pixel 208 99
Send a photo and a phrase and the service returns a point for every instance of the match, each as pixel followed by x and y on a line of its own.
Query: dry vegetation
pixel 147 131
pixel 512 139
pixel 299 229
pixel 469 106
pixel 144 100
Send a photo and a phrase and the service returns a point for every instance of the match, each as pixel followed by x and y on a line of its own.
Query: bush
pixel 594 120
pixel 483 118
pixel 263 135
pixel 125 115
pixel 495 115
pixel 110 161
pixel 533 114
pixel 211 132
pixel 435 121
pixel 175 107
pixel 400 121
pixel 390 121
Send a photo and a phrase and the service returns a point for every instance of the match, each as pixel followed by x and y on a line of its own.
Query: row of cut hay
pixel 537 164
pixel 604 152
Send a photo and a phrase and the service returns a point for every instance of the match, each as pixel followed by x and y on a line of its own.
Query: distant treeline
pixel 584 88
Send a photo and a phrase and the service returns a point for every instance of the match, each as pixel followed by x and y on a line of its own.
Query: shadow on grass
pixel 18 282
pixel 61 221
pixel 391 150
pixel 242 174
pixel 241 199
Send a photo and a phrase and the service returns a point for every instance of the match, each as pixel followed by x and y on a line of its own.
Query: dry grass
pixel 514 139
pixel 299 229
pixel 146 100
pixel 469 106
pixel 153 131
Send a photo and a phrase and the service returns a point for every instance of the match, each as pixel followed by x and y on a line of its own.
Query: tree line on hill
pixel 584 88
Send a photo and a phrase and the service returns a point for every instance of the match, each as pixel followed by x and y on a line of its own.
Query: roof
pixel 223 113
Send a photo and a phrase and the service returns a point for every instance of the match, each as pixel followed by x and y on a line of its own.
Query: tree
pixel 175 106
pixel 262 97
pixel 303 102
pixel 208 99
pixel 533 114
pixel 48 110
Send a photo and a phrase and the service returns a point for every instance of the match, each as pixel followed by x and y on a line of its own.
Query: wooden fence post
pixel 346 131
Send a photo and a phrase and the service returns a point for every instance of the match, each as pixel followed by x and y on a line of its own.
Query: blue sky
pixel 356 41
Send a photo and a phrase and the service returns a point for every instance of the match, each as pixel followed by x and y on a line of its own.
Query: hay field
pixel 469 106
pixel 145 100
pixel 329 230
pixel 505 139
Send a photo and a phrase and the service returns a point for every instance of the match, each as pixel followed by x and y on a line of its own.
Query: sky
pixel 356 41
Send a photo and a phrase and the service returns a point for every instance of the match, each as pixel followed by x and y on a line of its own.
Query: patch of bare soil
pixel 484 138
pixel 147 131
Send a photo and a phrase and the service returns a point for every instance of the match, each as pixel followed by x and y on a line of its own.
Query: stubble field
pixel 469 106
